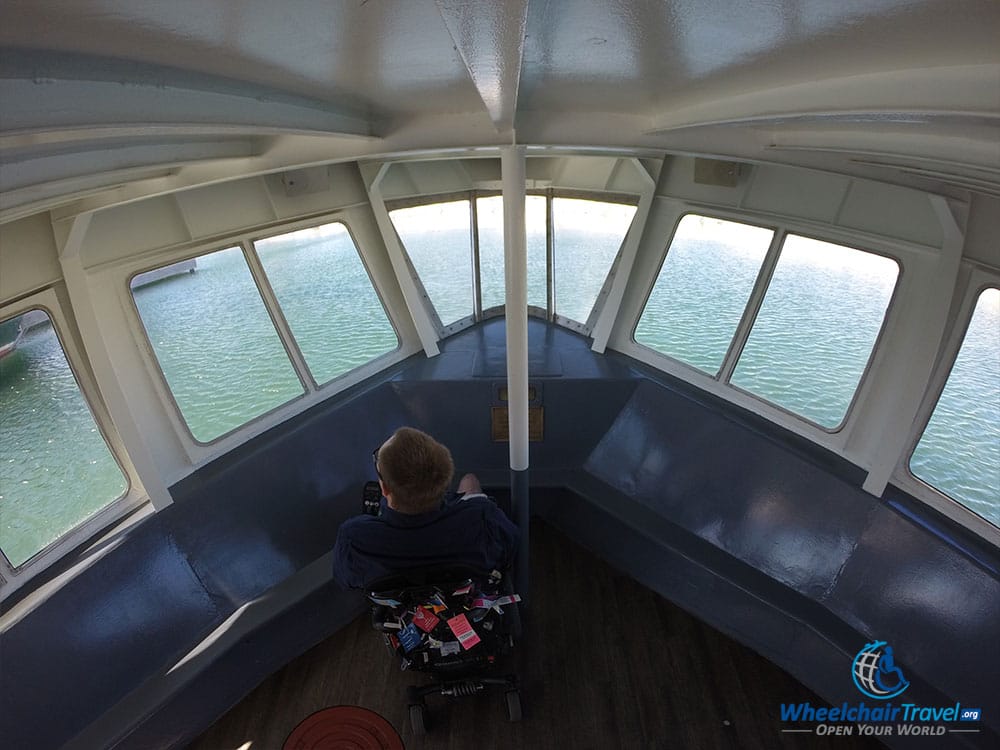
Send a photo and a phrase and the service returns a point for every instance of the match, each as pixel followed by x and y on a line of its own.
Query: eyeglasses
pixel 375 461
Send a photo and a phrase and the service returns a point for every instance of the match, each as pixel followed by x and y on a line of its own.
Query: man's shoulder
pixel 358 525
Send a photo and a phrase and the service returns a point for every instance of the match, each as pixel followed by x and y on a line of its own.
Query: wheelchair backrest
pixel 441 617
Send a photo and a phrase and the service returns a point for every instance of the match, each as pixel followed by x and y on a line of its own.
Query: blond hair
pixel 416 470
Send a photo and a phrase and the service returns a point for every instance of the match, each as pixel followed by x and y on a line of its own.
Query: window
pixel 959 451
pixel 327 299
pixel 813 334
pixel 56 470
pixel 437 238
pixel 702 290
pixel 816 329
pixel 586 238
pixel 491 256
pixel 215 343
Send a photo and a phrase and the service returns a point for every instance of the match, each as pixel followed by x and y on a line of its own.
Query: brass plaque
pixel 501 423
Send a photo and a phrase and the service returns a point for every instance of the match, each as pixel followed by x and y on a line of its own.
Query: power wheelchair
pixel 453 622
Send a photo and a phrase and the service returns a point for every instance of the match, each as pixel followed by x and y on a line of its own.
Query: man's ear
pixel 385 490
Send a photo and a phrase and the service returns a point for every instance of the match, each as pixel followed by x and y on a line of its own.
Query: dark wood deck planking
pixel 605 663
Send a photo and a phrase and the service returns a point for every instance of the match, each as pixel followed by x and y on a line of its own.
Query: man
pixel 417 525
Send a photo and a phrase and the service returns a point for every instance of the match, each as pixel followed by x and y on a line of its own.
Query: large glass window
pixel 327 299
pixel 702 290
pixel 816 328
pixel 56 469
pixel 216 344
pixel 587 235
pixel 489 213
pixel 959 452
pixel 437 237
pixel 586 238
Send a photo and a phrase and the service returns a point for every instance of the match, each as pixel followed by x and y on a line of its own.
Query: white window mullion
pixel 752 308
pixel 278 318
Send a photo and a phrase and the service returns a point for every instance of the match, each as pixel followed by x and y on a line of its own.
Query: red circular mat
pixel 344 728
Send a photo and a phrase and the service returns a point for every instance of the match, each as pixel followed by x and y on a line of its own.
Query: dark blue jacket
pixel 472 531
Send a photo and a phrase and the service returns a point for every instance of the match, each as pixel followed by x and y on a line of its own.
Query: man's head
pixel 414 470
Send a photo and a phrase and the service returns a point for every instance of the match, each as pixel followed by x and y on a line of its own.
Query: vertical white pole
pixel 515 243
pixel 512 166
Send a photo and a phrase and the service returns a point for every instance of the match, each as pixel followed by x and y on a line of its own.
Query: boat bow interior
pixel 259 237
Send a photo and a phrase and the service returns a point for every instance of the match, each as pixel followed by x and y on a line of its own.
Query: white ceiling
pixel 99 94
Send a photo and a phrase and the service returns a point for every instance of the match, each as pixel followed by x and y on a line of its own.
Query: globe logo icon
pixel 876 674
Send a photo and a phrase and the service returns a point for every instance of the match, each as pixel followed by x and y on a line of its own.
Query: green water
pixel 218 349
pixel 55 468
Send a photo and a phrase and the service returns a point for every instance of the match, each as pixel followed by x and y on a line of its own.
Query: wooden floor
pixel 604 663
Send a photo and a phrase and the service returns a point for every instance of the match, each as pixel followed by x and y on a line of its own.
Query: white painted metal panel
pixel 28 256
pixel 215 209
pixel 893 212
pixel 134 228
pixel 796 192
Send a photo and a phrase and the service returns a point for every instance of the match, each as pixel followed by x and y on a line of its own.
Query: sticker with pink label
pixel 460 626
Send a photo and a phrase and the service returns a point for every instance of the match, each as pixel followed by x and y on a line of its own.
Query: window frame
pixel 978 281
pixel 479 313
pixel 733 350
pixel 278 315
pixel 153 361
pixel 198 452
pixel 720 383
pixel 584 327
pixel 499 311
pixel 876 344
pixel 132 500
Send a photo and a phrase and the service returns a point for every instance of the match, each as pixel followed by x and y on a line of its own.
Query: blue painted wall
pixel 756 531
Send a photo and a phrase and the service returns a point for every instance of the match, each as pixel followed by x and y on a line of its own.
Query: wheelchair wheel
pixel 513 700
pixel 418 717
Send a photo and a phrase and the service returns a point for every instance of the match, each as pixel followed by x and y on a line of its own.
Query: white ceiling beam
pixel 35 168
pixel 912 96
pixel 489 36
pixel 45 104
